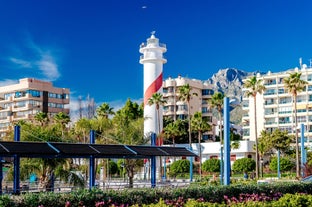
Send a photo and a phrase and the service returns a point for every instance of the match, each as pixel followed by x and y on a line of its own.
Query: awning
pixel 72 150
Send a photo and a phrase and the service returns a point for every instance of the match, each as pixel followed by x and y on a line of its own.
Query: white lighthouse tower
pixel 152 60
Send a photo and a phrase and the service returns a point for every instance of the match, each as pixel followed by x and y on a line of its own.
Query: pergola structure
pixel 18 149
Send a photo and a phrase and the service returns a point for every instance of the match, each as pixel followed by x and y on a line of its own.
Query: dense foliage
pixel 280 194
pixel 244 165
pixel 211 165
pixel 179 167
pixel 285 164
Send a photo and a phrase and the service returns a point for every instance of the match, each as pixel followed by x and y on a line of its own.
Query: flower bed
pixel 233 195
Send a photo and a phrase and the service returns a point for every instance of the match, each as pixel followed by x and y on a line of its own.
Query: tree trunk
pixel 256 138
pixel 159 138
pixel 130 172
pixel 200 155
pixel 297 144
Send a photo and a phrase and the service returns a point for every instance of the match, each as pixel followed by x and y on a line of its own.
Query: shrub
pixel 285 164
pixel 179 166
pixel 244 165
pixel 211 165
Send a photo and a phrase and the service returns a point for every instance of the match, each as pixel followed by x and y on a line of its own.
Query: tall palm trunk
pixel 221 148
pixel 189 124
pixel 160 158
pixel 256 138
pixel 190 139
pixel 220 127
pixel 200 154
pixel 296 133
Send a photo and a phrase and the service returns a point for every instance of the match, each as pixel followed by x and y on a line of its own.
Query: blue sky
pixel 91 46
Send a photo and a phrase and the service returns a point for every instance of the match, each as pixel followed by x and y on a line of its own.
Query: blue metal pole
pixel 278 164
pixel 16 182
pixel 303 154
pixel 191 165
pixel 92 162
pixel 153 162
pixel 221 165
pixel 165 173
pixel 1 175
pixel 227 148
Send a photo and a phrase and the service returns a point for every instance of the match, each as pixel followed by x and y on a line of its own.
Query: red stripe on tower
pixel 153 88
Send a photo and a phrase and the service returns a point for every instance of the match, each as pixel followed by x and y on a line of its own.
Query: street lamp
pixel 303 151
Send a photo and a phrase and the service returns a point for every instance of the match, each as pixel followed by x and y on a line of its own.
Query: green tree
pixel 47 168
pixel 104 110
pixel 179 167
pixel 157 100
pixel 173 130
pixel 200 126
pixel 217 101
pixel 42 118
pixel 294 84
pixel 128 129
pixel 82 130
pixel 244 165
pixel 61 119
pixel 285 164
pixel 254 86
pixel 185 94
pixel 211 165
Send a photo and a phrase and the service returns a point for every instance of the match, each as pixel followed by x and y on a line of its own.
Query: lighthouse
pixel 152 60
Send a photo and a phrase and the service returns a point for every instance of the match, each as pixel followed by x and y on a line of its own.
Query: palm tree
pixel 62 119
pixel 216 101
pixel 157 100
pixel 185 95
pixel 104 110
pixel 128 129
pixel 41 117
pixel 295 85
pixel 172 130
pixel 201 126
pixel 254 87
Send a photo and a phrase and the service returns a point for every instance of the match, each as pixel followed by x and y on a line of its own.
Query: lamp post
pixel 221 165
pixel 303 151
pixel 278 164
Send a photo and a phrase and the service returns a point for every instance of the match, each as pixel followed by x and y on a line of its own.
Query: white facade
pixel 21 101
pixel 275 107
pixel 211 150
pixel 152 60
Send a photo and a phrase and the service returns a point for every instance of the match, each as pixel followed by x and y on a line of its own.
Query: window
pixel 233 157
pixel 34 93
pixel 205 110
pixel 207 92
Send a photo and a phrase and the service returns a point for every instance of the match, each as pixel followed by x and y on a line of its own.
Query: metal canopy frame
pixel 73 150
pixel 53 150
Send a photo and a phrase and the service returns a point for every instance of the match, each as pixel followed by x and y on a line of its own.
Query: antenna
pixel 300 62
pixel 310 62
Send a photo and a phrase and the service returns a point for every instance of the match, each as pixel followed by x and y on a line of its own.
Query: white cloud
pixel 37 58
pixel 48 67
pixel 6 82
pixel 22 63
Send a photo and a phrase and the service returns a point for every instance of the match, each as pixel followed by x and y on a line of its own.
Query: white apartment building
pixel 23 100
pixel 275 108
pixel 176 109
